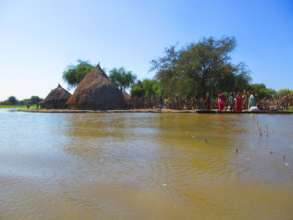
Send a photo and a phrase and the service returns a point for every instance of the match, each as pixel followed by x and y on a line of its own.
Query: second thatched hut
pixel 56 99
pixel 96 92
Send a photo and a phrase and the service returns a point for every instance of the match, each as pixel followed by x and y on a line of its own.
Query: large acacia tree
pixel 200 68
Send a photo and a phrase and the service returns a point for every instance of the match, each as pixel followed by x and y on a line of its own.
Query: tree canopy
pixel 200 68
pixel 147 88
pixel 34 100
pixel 122 78
pixel 75 73
pixel 261 90
pixel 12 100
pixel 284 92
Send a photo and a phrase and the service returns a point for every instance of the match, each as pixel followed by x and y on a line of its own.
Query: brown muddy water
pixel 145 166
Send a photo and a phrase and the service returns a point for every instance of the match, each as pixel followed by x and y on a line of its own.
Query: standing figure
pixel 230 102
pixel 238 103
pixel 221 102
pixel 251 101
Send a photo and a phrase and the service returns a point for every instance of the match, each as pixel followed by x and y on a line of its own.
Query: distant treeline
pixel 12 100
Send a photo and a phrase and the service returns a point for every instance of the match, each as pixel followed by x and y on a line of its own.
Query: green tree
pixel 200 68
pixel 122 78
pixel 137 90
pixel 12 101
pixel 75 73
pixel 148 88
pixel 152 88
pixel 284 92
pixel 261 91
pixel 35 100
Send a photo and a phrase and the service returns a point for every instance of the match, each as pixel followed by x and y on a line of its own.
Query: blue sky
pixel 38 39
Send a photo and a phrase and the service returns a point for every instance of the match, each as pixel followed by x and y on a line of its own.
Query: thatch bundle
pixel 56 99
pixel 97 92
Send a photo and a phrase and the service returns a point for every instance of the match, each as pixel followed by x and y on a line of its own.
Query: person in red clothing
pixel 238 103
pixel 221 102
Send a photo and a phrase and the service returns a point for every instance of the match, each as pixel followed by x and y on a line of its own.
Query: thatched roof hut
pixel 97 92
pixel 56 99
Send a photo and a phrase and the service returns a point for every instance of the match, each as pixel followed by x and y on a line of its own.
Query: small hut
pixel 97 92
pixel 56 99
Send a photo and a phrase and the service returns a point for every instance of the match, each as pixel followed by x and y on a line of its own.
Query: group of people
pixel 236 102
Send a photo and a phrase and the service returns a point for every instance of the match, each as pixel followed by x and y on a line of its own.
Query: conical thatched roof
pixel 56 99
pixel 97 92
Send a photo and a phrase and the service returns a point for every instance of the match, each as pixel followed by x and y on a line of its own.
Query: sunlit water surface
pixel 145 166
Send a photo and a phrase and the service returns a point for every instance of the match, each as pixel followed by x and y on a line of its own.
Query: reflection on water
pixel 145 166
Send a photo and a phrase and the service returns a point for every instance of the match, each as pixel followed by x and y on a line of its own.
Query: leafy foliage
pixel 200 68
pixel 34 100
pixel 122 78
pixel 75 73
pixel 284 92
pixel 261 91
pixel 150 89
pixel 137 90
pixel 12 100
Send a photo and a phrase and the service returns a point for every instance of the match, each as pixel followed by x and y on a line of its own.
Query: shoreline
pixel 66 111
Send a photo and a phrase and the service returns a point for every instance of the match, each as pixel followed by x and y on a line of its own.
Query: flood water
pixel 145 166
